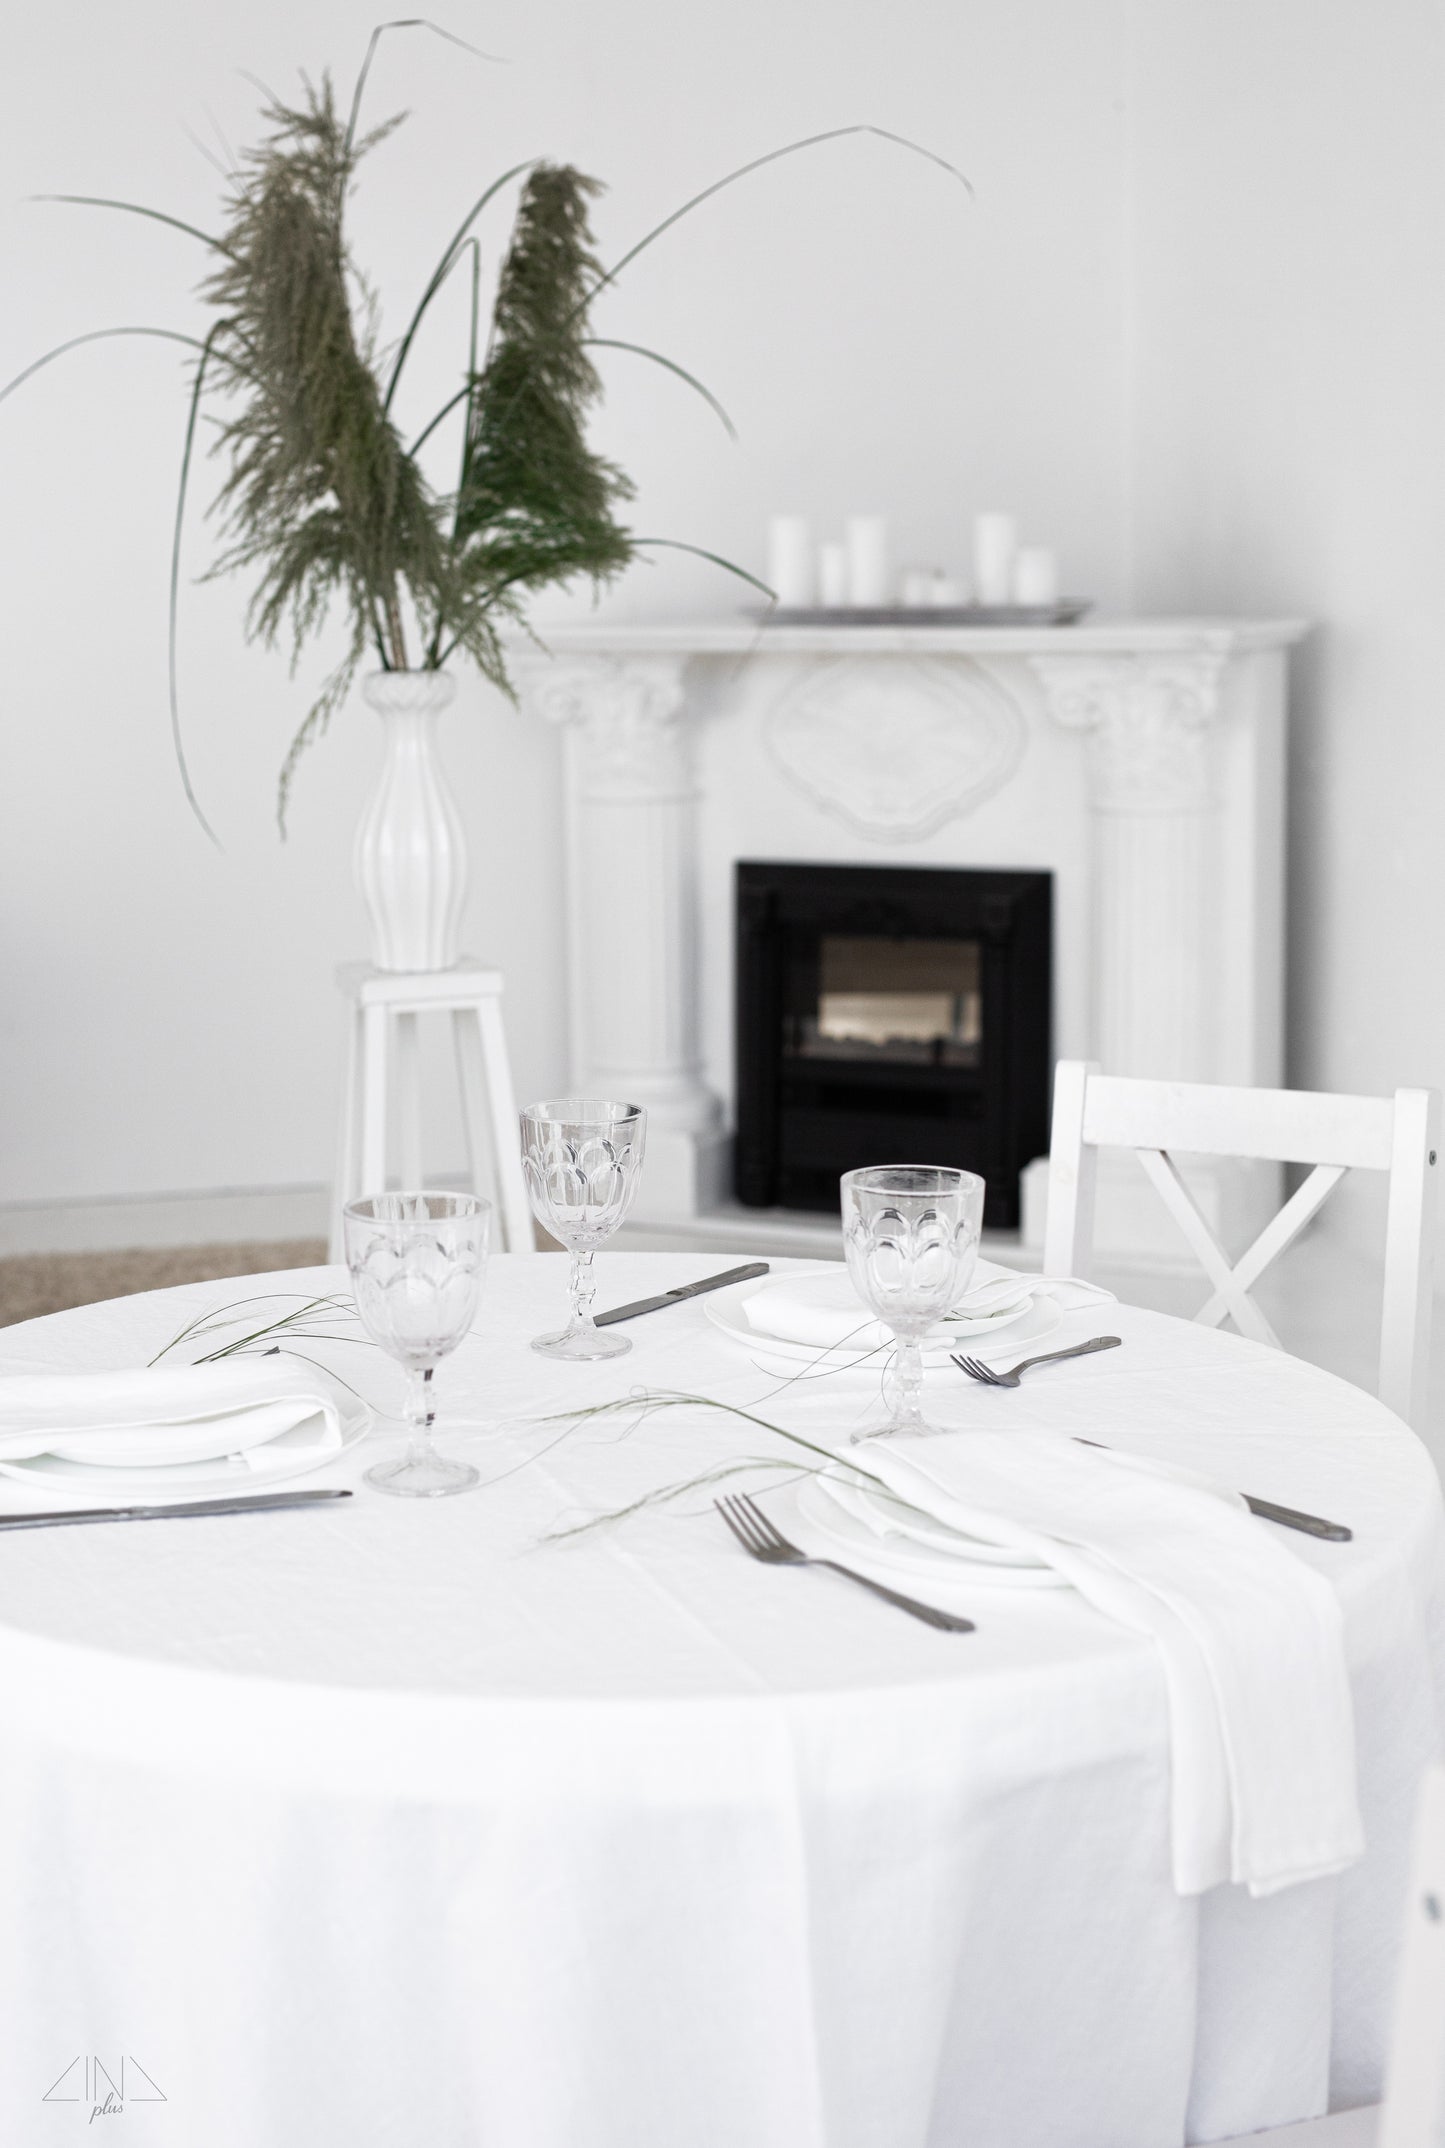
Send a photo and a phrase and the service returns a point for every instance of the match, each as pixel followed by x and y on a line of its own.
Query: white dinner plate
pixel 725 1310
pixel 835 1292
pixel 220 1473
pixel 928 1553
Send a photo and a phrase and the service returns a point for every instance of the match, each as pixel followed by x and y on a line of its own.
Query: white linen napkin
pixel 821 1308
pixel 147 1417
pixel 1261 1724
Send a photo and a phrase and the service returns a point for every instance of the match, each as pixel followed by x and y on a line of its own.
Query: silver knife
pixel 1333 1532
pixel 243 1503
pixel 684 1290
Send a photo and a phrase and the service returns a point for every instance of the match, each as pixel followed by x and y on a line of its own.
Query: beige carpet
pixel 36 1283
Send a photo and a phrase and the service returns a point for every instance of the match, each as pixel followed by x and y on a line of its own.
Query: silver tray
pixel 1064 613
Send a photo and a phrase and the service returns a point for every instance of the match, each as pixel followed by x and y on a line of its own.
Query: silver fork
pixel 992 1377
pixel 759 1537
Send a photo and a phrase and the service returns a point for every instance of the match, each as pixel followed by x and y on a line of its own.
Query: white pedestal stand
pixel 382 1034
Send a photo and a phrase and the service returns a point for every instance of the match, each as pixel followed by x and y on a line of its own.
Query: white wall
pixel 1288 404
pixel 167 1020
pixel 1189 326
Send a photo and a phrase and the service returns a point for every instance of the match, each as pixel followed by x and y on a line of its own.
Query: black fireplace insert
pixel 890 1014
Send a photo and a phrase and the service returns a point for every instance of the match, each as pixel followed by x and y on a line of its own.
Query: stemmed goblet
pixel 580 1158
pixel 416 1262
pixel 910 1233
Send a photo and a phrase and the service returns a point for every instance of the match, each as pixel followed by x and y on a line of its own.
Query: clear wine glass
pixel 416 1262
pixel 910 1233
pixel 581 1157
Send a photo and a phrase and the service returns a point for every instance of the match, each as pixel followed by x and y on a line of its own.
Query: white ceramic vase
pixel 410 857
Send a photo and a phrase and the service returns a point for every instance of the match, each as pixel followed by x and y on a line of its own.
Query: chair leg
pixel 1069 1228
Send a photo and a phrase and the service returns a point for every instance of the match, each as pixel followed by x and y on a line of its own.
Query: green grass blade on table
pixel 650 1402
pixel 235 1313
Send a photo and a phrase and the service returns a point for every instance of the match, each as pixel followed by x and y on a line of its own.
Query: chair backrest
pixel 1414 2113
pixel 1161 1120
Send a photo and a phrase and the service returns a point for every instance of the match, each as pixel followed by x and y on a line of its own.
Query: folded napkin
pixel 142 1418
pixel 821 1307
pixel 1261 1726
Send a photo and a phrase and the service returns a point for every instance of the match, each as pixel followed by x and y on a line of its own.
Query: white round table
pixel 402 1822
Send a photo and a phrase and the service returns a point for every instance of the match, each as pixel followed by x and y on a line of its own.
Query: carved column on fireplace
pixel 1148 722
pixel 631 799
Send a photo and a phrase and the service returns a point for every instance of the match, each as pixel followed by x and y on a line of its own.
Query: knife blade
pixel 242 1503
pixel 683 1290
pixel 1333 1532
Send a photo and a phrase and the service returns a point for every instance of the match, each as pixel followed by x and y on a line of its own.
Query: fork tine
pixel 771 1536
pixel 736 1527
pixel 977 1370
pixel 745 1525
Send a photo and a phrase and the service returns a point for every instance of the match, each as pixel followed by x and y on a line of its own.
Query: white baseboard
pixel 224 1216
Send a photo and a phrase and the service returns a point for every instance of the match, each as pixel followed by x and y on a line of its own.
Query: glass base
pixel 427 1476
pixel 898 1429
pixel 582 1345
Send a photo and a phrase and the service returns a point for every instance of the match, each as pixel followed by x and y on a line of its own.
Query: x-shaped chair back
pixel 1335 1134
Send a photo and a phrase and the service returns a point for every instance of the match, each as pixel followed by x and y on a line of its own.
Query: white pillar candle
pixel 1036 575
pixel 867 537
pixel 790 561
pixel 833 576
pixel 995 541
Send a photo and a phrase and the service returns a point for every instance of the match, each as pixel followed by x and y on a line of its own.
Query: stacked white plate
pixel 133 1460
pixel 842 1514
pixel 814 1318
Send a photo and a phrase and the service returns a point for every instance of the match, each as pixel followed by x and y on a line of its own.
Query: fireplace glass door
pixel 889 1015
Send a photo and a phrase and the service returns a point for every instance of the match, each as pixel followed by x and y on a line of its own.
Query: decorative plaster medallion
pixel 896 747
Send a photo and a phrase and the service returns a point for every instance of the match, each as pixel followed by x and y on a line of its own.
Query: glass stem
pixel 583 1285
pixel 420 1413
pixel 907 1386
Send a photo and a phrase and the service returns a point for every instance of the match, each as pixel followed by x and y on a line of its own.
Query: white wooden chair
pixel 1159 1120
pixel 1413 2112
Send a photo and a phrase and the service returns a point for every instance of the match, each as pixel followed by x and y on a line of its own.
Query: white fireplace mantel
pixel 1140 761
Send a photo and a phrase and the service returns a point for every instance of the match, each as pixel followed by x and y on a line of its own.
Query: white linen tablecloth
pixel 399 1823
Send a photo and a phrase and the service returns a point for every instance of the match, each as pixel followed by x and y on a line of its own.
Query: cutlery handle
pixel 1083 1349
pixel 744 1274
pixel 946 1621
pixel 1333 1532
pixel 261 1503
